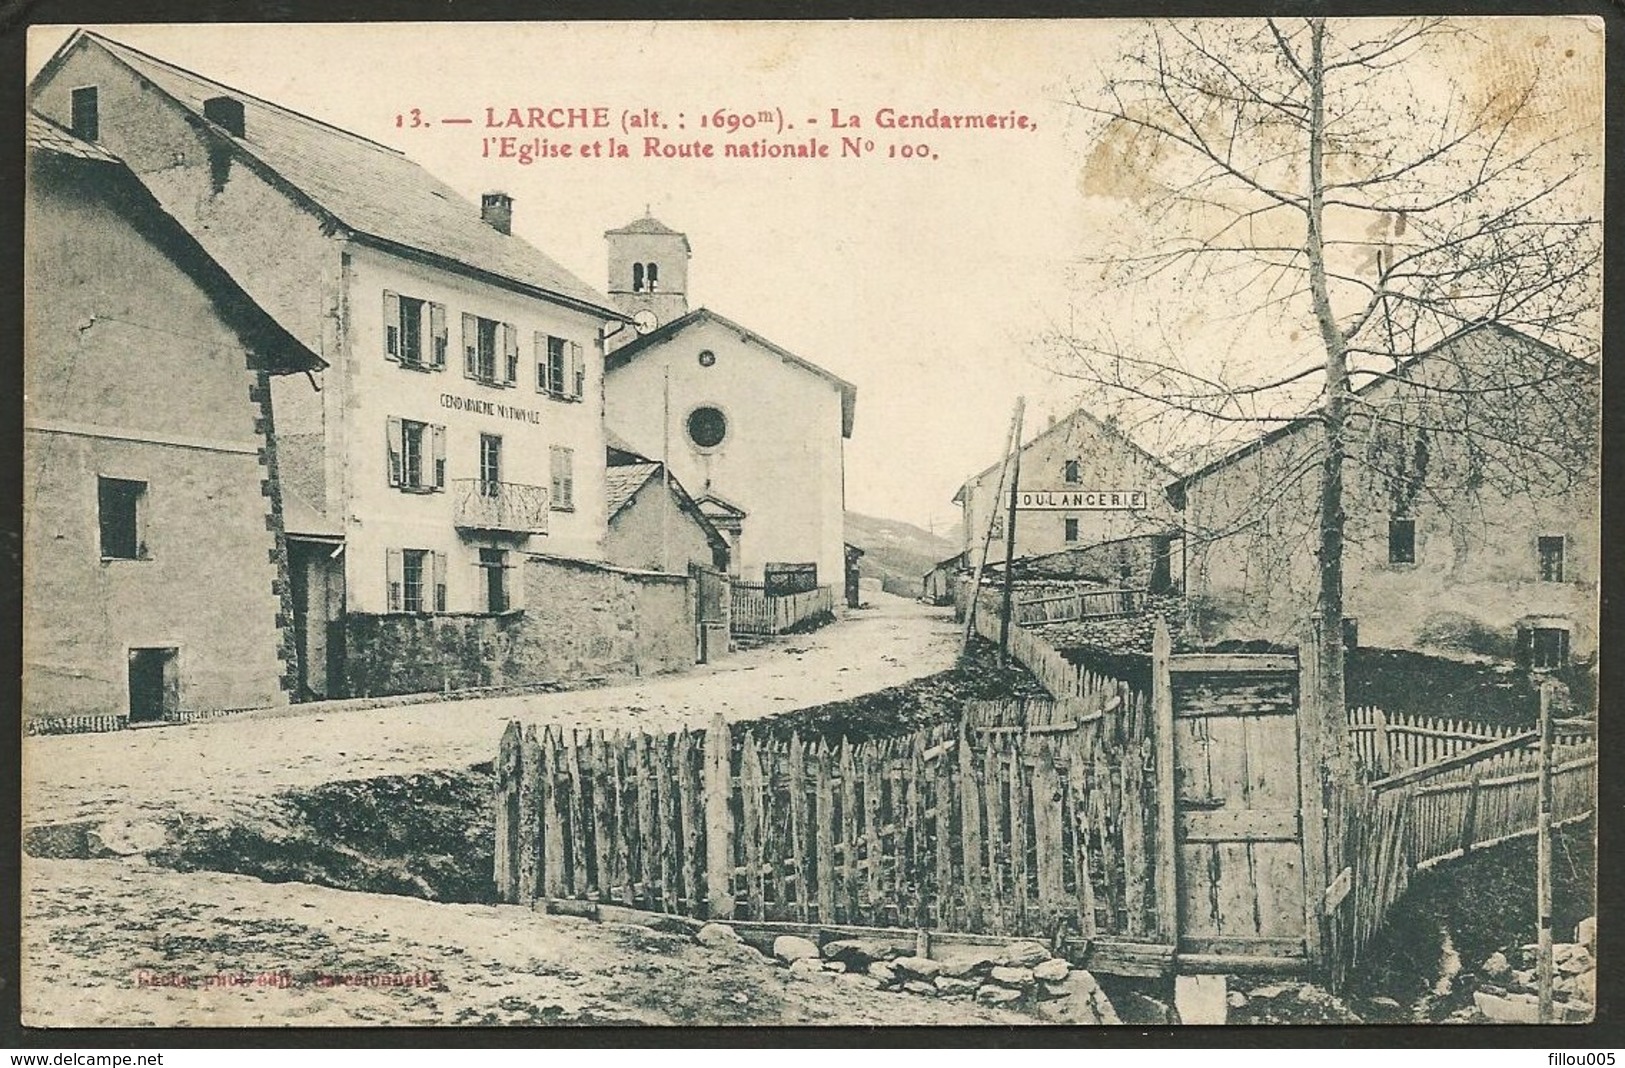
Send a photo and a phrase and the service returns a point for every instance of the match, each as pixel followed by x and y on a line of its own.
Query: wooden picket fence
pixel 1384 743
pixel 1416 819
pixel 1079 604
pixel 973 827
pixel 754 611
pixel 1054 672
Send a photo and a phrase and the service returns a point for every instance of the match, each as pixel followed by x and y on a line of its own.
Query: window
pixel 417 456
pixel 483 339
pixel 637 278
pixel 416 580
pixel 1071 529
pixel 86 121
pixel 560 369
pixel 563 479
pixel 652 272
pixel 707 427
pixel 1071 473
pixel 1551 558
pixel 1544 647
pixel 490 465
pixel 1402 541
pixel 415 332
pixel 119 504
pixel 494 562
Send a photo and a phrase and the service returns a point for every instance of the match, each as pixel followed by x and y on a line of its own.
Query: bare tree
pixel 1320 179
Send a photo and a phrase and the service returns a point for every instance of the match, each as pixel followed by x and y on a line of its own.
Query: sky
pixel 929 279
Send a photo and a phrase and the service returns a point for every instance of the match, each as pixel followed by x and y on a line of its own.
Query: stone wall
pixel 580 620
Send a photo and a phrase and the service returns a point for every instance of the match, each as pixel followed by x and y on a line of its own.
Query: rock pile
pixel 1508 989
pixel 1023 975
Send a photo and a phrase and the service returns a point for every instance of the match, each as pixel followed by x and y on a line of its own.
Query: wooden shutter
pixel 392 326
pixel 394 434
pixel 439 435
pixel 471 346
pixel 510 352
pixel 578 371
pixel 439 581
pixel 540 342
pixel 440 339
pixel 394 577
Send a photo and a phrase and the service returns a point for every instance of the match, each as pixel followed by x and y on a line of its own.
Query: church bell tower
pixel 648 271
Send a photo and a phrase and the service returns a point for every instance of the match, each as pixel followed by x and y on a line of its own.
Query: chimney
pixel 225 112
pixel 497 210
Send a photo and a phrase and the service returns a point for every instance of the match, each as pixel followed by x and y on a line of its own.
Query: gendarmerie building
pixel 155 572
pixel 460 423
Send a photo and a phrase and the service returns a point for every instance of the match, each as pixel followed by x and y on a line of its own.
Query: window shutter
pixel 441 339
pixel 392 326
pixel 510 350
pixel 394 577
pixel 578 371
pixel 394 435
pixel 439 581
pixel 471 346
pixel 439 434
pixel 540 348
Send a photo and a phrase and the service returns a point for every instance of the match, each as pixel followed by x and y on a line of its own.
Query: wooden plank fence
pixel 1078 604
pixel 973 828
pixel 754 611
pixel 1473 799
pixel 1387 742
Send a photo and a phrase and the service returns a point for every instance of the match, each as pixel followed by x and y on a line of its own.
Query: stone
pixel 1052 970
pixel 1496 966
pixel 1200 999
pixel 1576 962
pixel 1272 990
pixel 1142 1009
pixel 1523 980
pixel 989 994
pixel 947 984
pixel 1078 1012
pixel 920 986
pixel 1236 1000
pixel 963 965
pixel 836 966
pixel 1585 933
pixel 858 979
pixel 1089 1002
pixel 717 936
pixel 1387 1003
pixel 788 948
pixel 883 971
pixel 856 953
pixel 127 837
pixel 1513 1009
pixel 807 968
pixel 1024 955
pixel 917 968
pixel 1017 978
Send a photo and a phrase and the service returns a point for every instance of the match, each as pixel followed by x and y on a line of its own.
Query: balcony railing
pixel 512 507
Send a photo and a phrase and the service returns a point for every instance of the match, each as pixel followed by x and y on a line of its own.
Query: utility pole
pixel 665 470
pixel 1543 859
pixel 987 539
pixel 1010 540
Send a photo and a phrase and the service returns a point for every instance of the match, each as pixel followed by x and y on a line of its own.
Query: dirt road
pixel 221 763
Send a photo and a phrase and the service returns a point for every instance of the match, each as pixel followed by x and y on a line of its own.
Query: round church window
pixel 707 358
pixel 707 427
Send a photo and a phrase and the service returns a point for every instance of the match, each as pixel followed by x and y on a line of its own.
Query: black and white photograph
pixel 1062 522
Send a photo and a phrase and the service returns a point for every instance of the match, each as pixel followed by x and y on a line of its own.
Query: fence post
pixel 718 787
pixel 1312 792
pixel 507 806
pixel 1543 857
pixel 1167 856
pixel 1379 733
pixel 1469 822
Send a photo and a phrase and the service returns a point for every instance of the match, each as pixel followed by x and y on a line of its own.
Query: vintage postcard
pixel 1086 522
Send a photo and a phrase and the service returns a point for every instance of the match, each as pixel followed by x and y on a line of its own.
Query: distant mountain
pixel 896 552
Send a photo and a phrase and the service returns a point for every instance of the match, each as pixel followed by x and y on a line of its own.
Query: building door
pixel 1240 871
pixel 155 688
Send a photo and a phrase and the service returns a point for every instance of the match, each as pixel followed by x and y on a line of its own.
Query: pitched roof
pixel 648 224
pixel 632 350
pixel 272 348
pixel 624 481
pixel 369 189
pixel 722 506
pixel 1176 489
pixel 1079 414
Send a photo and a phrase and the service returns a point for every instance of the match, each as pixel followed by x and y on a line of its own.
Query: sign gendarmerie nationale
pixel 1079 500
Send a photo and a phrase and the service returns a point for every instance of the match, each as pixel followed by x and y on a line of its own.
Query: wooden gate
pixel 1238 799
pixel 710 613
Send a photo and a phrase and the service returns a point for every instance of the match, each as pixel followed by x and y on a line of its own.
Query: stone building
pixel 460 425
pixel 1472 503
pixel 1095 486
pixel 654 524
pixel 754 431
pixel 155 570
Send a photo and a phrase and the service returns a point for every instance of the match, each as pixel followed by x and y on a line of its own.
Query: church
pixel 755 432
